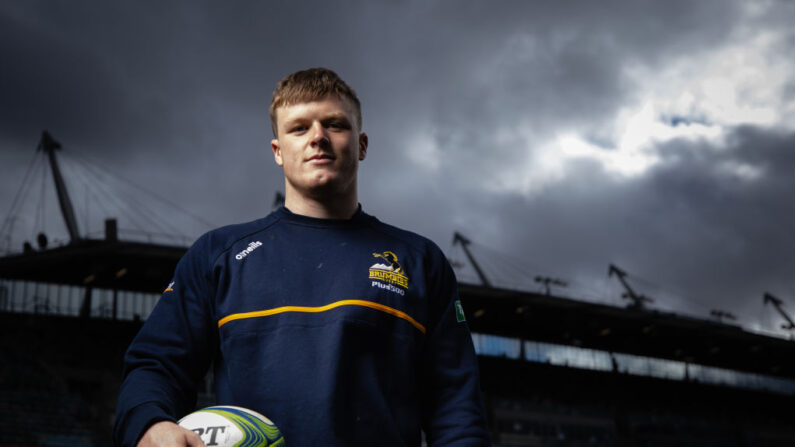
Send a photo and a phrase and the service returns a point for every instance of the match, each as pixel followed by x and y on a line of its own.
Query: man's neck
pixel 325 208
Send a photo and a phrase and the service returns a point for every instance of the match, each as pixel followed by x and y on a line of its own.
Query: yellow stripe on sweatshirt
pixel 334 305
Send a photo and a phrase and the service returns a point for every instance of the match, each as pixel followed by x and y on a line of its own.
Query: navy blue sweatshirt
pixel 343 332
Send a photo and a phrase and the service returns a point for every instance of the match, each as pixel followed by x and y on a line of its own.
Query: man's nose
pixel 319 136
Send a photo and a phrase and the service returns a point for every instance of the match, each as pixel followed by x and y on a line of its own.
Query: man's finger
pixel 192 439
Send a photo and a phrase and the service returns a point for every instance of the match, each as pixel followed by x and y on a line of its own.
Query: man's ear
pixel 277 152
pixel 363 140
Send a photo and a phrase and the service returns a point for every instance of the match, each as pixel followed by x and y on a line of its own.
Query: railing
pixel 55 299
pixel 592 359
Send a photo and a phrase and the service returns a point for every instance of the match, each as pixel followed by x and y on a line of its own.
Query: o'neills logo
pixel 389 271
pixel 251 247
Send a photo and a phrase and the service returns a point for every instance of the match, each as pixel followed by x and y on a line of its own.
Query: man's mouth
pixel 321 157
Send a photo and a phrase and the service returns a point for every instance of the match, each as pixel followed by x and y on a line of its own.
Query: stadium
pixel 556 370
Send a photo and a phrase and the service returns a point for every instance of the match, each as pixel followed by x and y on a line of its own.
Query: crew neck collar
pixel 358 218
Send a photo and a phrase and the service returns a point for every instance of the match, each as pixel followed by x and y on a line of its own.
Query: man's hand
pixel 169 434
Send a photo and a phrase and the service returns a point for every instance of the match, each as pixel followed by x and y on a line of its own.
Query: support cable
pixel 37 210
pixel 101 188
pixel 779 305
pixel 457 261
pixel 151 215
pixel 80 176
pixel 669 293
pixel 519 272
pixel 464 242
pixel 155 195
pixel 521 265
pixel 498 267
pixel 21 192
pixel 501 269
pixel 127 201
pixel 138 220
pixel 77 177
pixel 123 202
pixel 145 212
pixel 40 222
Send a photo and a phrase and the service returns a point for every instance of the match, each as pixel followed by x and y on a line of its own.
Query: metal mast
pixel 720 315
pixel 768 298
pixel 547 281
pixel 458 238
pixel 637 300
pixel 49 145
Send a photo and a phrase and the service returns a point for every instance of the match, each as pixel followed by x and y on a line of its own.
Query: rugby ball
pixel 228 426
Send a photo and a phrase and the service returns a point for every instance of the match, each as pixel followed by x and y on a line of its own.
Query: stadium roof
pixel 107 264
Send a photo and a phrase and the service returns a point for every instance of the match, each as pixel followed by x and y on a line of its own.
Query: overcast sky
pixel 559 137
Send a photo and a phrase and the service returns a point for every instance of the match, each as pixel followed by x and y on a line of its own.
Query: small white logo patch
pixel 170 287
pixel 251 247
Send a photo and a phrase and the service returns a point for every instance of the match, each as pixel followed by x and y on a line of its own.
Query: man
pixel 341 329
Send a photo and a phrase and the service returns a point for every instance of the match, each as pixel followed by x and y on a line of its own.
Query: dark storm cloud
pixel 149 87
pixel 548 68
pixel 85 70
pixel 704 236
pixel 687 224
pixel 462 101
pixel 726 238
pixel 491 84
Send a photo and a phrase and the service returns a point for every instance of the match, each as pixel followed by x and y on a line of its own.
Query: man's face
pixel 319 146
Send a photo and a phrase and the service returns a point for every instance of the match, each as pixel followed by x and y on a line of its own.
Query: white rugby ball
pixel 228 426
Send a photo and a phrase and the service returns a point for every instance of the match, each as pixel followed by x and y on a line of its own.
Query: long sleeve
pixel 453 411
pixel 171 353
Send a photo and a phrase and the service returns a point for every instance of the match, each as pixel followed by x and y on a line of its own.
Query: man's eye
pixel 298 129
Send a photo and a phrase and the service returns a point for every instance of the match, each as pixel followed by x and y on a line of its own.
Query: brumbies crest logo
pixel 388 273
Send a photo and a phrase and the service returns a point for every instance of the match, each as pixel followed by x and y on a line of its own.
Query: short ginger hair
pixel 311 85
